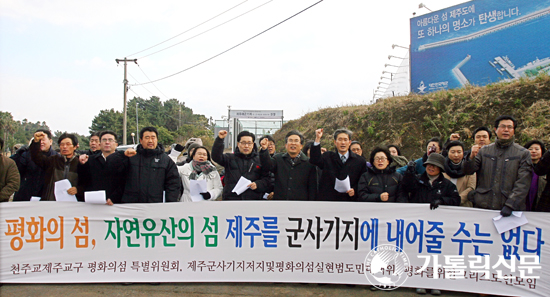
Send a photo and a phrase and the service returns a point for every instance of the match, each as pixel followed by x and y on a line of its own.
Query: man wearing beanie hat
pixel 431 186
pixel 245 162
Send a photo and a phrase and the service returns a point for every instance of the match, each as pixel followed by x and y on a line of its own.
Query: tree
pixel 177 122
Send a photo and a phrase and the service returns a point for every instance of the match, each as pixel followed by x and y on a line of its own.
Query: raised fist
pixel 38 136
pixel 454 136
pixel 318 134
pixel 222 134
pixel 83 159
pixel 475 150
pixel 130 152
pixel 264 143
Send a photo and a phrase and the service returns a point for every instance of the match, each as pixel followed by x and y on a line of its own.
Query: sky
pixel 57 57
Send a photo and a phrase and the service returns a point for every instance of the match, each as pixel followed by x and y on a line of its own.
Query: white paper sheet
pixel 241 186
pixel 342 186
pixel 196 187
pixel 60 191
pixel 265 196
pixel 504 224
pixel 34 198
pixel 95 197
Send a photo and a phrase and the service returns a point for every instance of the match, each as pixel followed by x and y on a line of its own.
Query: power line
pixel 135 92
pixel 206 30
pixel 153 84
pixel 141 86
pixel 231 47
pixel 187 30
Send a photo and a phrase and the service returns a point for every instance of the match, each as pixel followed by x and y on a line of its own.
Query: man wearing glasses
pixel 244 163
pixel 504 171
pixel 93 173
pixel 295 177
pixel 58 167
pixel 341 164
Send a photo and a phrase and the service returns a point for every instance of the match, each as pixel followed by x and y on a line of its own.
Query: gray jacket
pixel 503 176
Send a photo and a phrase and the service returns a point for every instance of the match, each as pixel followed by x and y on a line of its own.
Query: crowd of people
pixel 500 175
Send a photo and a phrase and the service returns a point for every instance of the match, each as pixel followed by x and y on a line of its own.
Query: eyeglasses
pixel 380 159
pixel 108 140
pixel 509 127
pixel 246 143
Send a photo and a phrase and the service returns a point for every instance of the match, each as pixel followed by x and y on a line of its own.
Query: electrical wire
pixel 205 31
pixel 141 86
pixel 187 30
pixel 227 50
pixel 153 84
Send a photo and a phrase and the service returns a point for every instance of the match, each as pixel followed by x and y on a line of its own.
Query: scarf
pixel 200 168
pixel 504 143
pixel 453 170
pixel 431 178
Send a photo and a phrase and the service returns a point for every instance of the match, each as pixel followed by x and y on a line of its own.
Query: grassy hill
pixel 408 121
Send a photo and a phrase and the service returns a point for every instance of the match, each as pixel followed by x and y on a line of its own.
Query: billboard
pixel 256 114
pixel 479 42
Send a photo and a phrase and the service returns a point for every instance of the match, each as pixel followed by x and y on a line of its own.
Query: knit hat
pixel 193 140
pixel 193 146
pixel 436 160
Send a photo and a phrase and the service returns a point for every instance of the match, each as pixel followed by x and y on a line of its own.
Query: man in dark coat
pixel 295 177
pixel 9 176
pixel 151 176
pixel 245 162
pixel 94 175
pixel 431 186
pixel 58 167
pixel 337 165
pixel 32 176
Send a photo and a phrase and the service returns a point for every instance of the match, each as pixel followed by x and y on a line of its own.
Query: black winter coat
pixel 293 181
pixel 333 168
pixel 375 182
pixel 32 176
pixel 237 165
pixel 95 176
pixel 148 174
pixel 422 192
pixel 543 168
pixel 56 168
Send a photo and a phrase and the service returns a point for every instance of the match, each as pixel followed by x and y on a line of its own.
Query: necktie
pixel 343 159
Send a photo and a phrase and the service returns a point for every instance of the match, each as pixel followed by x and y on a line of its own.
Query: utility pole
pixel 125 91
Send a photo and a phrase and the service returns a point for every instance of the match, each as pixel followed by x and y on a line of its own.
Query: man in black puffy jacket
pixel 151 176
pixel 245 162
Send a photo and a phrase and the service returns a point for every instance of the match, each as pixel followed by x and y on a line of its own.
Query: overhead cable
pixel 227 50
pixel 205 31
pixel 187 30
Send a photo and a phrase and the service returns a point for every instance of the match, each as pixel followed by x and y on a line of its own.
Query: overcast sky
pixel 57 58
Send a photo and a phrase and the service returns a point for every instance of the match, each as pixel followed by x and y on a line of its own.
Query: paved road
pixel 204 289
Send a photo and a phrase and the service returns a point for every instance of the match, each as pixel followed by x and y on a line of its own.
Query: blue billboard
pixel 479 42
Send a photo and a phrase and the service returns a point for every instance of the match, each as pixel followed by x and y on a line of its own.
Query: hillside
pixel 408 121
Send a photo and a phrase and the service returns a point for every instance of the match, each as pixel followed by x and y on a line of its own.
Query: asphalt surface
pixel 204 289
